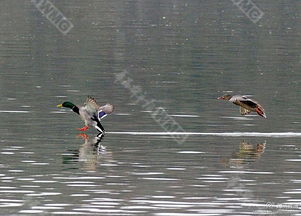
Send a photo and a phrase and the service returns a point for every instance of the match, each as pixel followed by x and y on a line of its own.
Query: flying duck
pixel 91 113
pixel 246 104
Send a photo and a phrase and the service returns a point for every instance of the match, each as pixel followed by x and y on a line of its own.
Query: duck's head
pixel 66 104
pixel 225 97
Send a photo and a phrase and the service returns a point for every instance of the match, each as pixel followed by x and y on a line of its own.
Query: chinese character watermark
pixel 159 114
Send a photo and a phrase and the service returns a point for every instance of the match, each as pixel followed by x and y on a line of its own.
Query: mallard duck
pixel 91 113
pixel 246 104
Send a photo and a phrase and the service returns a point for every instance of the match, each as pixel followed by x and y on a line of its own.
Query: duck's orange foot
pixel 83 128
pixel 84 136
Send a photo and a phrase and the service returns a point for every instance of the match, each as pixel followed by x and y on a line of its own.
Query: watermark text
pixel 249 9
pixel 159 114
pixel 54 15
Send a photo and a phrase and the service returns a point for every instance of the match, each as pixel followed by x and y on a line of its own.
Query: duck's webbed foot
pixel 83 128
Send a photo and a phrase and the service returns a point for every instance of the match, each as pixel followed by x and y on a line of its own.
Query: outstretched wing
pixel 249 102
pixel 90 105
pixel 250 105
pixel 105 110
pixel 97 111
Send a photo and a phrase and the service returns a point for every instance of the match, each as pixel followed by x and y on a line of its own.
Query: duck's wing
pixel 253 105
pixel 100 111
pixel 244 101
pixel 244 111
pixel 104 110
pixel 90 105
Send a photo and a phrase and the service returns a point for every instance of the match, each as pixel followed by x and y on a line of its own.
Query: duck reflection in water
pixel 91 153
pixel 247 153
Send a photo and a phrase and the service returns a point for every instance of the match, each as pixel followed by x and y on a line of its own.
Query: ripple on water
pixel 160 179
pixel 108 210
pixel 176 168
pixel 239 118
pixel 7 153
pixel 40 164
pixel 104 199
pixel 294 191
pixel 170 204
pixel 27 152
pixel 123 114
pixel 79 182
pixel 58 112
pixel 7 187
pixel 196 198
pixel 44 181
pixel 77 177
pixel 58 204
pixel 108 203
pixel 79 195
pixel 200 212
pixel 25 179
pixel 186 116
pixel 182 214
pixel 71 213
pixel 45 194
pixel 28 161
pixel 16 171
pixel 246 172
pixel 12 148
pixel 9 204
pixel 163 197
pixel 146 173
pixel 295 181
pixel 82 185
pixel 293 160
pixel 7 178
pixel 17 191
pixel 30 186
pixel 139 207
pixel 190 152
pixel 47 207
pixel 14 111
pixel 31 211
pixel 221 134
pixel 212 178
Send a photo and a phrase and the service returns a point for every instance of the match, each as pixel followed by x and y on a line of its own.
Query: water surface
pixel 183 55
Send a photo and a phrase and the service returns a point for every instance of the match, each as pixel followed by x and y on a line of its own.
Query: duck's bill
pixel 59 105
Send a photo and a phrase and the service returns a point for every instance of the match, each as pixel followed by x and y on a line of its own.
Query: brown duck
pixel 246 104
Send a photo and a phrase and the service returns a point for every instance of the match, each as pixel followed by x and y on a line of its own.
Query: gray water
pixel 183 55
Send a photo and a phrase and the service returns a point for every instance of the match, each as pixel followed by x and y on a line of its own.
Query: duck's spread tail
pixel 260 111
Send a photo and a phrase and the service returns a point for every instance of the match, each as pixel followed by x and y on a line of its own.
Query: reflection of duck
pixel 93 144
pixel 247 153
pixel 91 113
pixel 246 104
pixel 90 153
